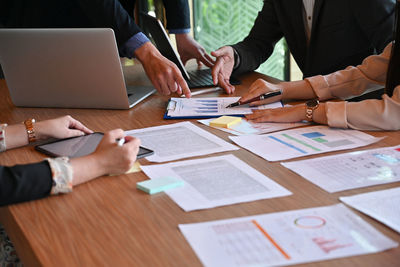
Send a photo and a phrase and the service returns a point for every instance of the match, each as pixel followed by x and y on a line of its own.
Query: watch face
pixel 312 103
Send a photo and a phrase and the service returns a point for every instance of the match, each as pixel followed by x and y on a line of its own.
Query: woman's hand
pixel 114 158
pixel 288 114
pixel 260 87
pixel 62 127
pixel 108 158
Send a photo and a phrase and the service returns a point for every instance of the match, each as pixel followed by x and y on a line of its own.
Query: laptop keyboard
pixel 200 78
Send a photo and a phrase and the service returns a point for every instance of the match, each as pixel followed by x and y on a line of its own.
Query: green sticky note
pixel 158 185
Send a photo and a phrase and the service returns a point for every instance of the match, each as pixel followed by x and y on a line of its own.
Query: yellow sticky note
pixel 134 168
pixel 225 121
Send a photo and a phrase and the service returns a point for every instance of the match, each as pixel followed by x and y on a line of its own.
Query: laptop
pixel 195 78
pixel 66 68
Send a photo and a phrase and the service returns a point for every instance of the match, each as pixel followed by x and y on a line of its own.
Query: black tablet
pixel 79 146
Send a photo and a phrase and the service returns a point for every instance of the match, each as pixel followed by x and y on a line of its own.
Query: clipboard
pixel 208 107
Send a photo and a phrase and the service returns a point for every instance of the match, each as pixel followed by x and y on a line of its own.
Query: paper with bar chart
pixel 303 141
pixel 351 170
pixel 202 107
pixel 215 181
pixel 381 205
pixel 284 238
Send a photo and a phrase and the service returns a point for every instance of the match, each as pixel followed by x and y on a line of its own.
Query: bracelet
pixel 62 175
pixel 3 137
pixel 29 130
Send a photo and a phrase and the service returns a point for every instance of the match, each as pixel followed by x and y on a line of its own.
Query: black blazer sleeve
pixel 110 14
pixel 178 14
pixel 376 19
pixel 24 182
pixel 259 44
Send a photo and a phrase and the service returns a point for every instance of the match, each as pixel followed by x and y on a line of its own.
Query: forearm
pixel 86 168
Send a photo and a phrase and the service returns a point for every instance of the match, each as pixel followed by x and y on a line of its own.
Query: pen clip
pixel 171 105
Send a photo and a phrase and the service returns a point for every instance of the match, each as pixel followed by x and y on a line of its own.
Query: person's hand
pixel 285 114
pixel 222 70
pixel 62 127
pixel 260 87
pixel 108 158
pixel 163 73
pixel 188 48
pixel 113 158
pixel 288 114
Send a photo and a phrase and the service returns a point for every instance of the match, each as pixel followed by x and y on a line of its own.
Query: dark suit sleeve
pixel 376 19
pixel 178 14
pixel 110 14
pixel 259 44
pixel 24 182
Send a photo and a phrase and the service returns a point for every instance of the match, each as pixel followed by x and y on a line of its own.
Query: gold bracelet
pixel 30 130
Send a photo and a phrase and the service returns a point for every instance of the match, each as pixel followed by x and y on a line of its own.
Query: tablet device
pixel 80 146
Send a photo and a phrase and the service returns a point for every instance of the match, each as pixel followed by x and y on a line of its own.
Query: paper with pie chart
pixel 285 238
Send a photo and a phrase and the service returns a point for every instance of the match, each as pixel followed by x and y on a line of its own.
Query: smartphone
pixel 234 81
pixel 80 146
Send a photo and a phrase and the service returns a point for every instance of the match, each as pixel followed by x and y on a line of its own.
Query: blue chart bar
pixel 210 105
pixel 287 144
pixel 207 111
pixel 207 101
pixel 211 108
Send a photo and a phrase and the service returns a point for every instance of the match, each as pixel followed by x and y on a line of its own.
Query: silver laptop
pixel 66 68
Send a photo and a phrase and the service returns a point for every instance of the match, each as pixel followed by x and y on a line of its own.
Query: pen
pixel 261 97
pixel 121 141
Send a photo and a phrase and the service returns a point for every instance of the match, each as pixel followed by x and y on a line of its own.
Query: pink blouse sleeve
pixel 353 81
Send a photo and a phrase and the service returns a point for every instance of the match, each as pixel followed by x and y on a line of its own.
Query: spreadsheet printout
pixel 351 170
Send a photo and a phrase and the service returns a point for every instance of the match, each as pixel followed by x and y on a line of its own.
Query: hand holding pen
pixel 259 91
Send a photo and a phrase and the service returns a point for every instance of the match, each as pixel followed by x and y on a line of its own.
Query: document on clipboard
pixel 209 107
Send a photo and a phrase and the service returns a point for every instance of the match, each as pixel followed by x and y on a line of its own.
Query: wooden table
pixel 108 222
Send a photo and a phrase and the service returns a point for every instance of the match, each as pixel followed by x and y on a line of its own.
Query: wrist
pixel 146 52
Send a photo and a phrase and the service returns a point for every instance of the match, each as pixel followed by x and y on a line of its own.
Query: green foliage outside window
pixel 223 22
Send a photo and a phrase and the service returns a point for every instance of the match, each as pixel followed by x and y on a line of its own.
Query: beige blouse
pixel 353 81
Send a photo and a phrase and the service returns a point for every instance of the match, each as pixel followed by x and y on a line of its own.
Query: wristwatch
pixel 311 105
pixel 30 130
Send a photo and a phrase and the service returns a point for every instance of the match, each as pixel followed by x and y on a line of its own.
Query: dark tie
pixel 393 73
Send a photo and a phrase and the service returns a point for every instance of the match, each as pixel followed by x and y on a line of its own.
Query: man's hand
pixel 164 74
pixel 222 70
pixel 188 48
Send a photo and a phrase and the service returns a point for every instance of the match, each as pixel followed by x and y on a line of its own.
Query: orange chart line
pixel 271 240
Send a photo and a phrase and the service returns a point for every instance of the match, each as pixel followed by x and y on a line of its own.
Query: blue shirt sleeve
pixel 129 47
pixel 177 31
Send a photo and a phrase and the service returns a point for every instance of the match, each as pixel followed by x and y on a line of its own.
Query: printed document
pixel 351 170
pixel 179 140
pixel 210 107
pixel 303 141
pixel 247 127
pixel 381 205
pixel 284 238
pixel 215 181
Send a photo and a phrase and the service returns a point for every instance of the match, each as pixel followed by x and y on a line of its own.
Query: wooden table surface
pixel 108 222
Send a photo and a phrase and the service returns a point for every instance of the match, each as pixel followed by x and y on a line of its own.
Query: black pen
pixel 261 97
